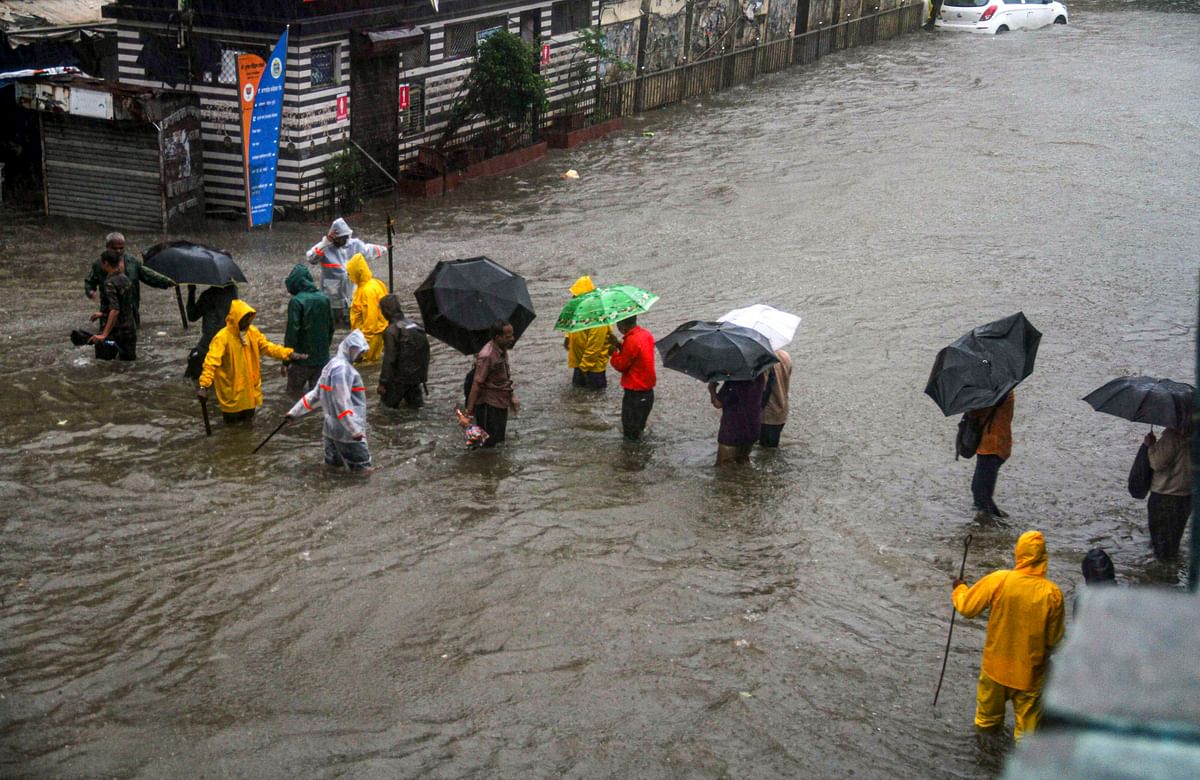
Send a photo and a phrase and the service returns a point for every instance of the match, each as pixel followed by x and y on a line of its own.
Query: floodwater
pixel 572 605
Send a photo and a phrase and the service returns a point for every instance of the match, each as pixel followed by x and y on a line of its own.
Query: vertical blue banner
pixel 262 148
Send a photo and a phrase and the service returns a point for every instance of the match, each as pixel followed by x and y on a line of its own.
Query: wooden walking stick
pixel 263 443
pixel 953 612
pixel 204 411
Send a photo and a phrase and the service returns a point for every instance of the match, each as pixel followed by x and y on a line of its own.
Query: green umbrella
pixel 604 306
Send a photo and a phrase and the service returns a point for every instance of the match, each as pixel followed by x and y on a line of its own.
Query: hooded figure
pixel 233 365
pixel 365 314
pixel 333 252
pixel 405 357
pixel 1024 624
pixel 210 308
pixel 587 350
pixel 1098 568
pixel 309 330
pixel 340 394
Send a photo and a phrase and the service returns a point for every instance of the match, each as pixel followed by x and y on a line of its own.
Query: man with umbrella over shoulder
pixel 491 393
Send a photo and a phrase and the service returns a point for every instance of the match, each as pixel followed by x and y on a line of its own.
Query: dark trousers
pixel 595 380
pixel 410 394
pixel 301 379
pixel 983 484
pixel 768 435
pixel 1168 517
pixel 244 416
pixel 122 347
pixel 494 420
pixel 635 410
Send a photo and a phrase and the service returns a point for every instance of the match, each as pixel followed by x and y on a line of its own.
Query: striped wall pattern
pixel 310 131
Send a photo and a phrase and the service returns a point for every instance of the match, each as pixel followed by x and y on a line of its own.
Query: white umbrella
pixel 778 326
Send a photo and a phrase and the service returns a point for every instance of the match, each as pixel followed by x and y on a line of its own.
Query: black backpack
pixel 970 434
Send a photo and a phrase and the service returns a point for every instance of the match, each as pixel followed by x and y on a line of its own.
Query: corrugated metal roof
pixel 32 14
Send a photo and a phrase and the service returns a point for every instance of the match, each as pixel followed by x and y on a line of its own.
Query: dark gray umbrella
pixel 1145 399
pixel 979 369
pixel 716 351
pixel 460 299
pixel 186 263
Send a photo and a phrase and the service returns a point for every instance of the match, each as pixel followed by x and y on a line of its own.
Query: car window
pixel 967 3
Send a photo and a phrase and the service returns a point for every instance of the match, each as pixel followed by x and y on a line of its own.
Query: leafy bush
pixel 502 85
pixel 344 175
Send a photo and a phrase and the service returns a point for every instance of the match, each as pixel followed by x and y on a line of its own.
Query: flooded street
pixel 570 604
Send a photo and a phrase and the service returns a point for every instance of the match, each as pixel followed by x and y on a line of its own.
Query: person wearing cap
pixel 332 253
pixel 132 268
pixel 587 350
pixel 342 398
pixel 1025 623
pixel 233 365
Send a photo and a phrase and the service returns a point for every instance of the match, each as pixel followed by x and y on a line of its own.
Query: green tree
pixel 502 85
pixel 591 52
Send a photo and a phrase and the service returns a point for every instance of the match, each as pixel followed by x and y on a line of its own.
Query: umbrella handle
pixel 182 313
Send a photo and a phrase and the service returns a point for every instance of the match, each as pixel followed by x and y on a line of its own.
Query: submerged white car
pixel 997 16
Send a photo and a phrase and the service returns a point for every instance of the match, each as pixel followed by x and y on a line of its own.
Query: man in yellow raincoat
pixel 233 365
pixel 587 350
pixel 1024 624
pixel 365 313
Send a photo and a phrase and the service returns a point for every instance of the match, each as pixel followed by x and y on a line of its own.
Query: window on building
pixel 228 74
pixel 412 119
pixel 461 37
pixel 569 15
pixel 325 66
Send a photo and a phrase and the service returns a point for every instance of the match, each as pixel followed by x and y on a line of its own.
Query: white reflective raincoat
pixel 333 259
pixel 339 393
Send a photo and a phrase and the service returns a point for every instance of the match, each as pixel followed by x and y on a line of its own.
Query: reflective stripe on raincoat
pixel 365 313
pixel 1026 619
pixel 233 366
pixel 333 259
pixel 339 393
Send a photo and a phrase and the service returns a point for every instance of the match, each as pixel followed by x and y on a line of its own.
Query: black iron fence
pixel 728 69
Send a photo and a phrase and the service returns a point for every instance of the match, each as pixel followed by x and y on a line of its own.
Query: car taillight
pixel 987 14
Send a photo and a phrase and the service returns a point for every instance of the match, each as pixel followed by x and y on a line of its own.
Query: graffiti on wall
pixel 664 41
pixel 622 40
pixel 781 19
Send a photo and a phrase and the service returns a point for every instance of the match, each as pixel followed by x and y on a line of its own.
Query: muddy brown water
pixel 571 605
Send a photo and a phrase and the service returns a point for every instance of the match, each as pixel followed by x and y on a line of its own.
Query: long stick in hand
pixel 953 612
pixel 204 411
pixel 279 428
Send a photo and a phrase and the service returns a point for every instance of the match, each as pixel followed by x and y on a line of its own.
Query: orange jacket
pixel 1026 618
pixel 997 437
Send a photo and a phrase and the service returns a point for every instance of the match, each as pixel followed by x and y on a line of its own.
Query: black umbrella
pixel 186 263
pixel 460 299
pixel 1145 399
pixel 979 369
pixel 716 351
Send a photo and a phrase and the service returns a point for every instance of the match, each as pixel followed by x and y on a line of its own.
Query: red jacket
pixel 635 360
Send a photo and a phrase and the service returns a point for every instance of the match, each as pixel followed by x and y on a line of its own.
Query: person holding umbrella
pixel 587 350
pixel 309 329
pixel 491 395
pixel 995 447
pixel 1170 501
pixel 132 268
pixel 633 356
pixel 234 364
pixel 741 405
pixel 333 252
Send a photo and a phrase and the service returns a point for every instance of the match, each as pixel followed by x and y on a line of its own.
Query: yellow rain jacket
pixel 233 364
pixel 587 350
pixel 365 313
pixel 1026 619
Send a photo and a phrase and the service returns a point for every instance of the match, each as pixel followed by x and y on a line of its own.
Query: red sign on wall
pixel 404 97
pixel 343 107
pixel 545 54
